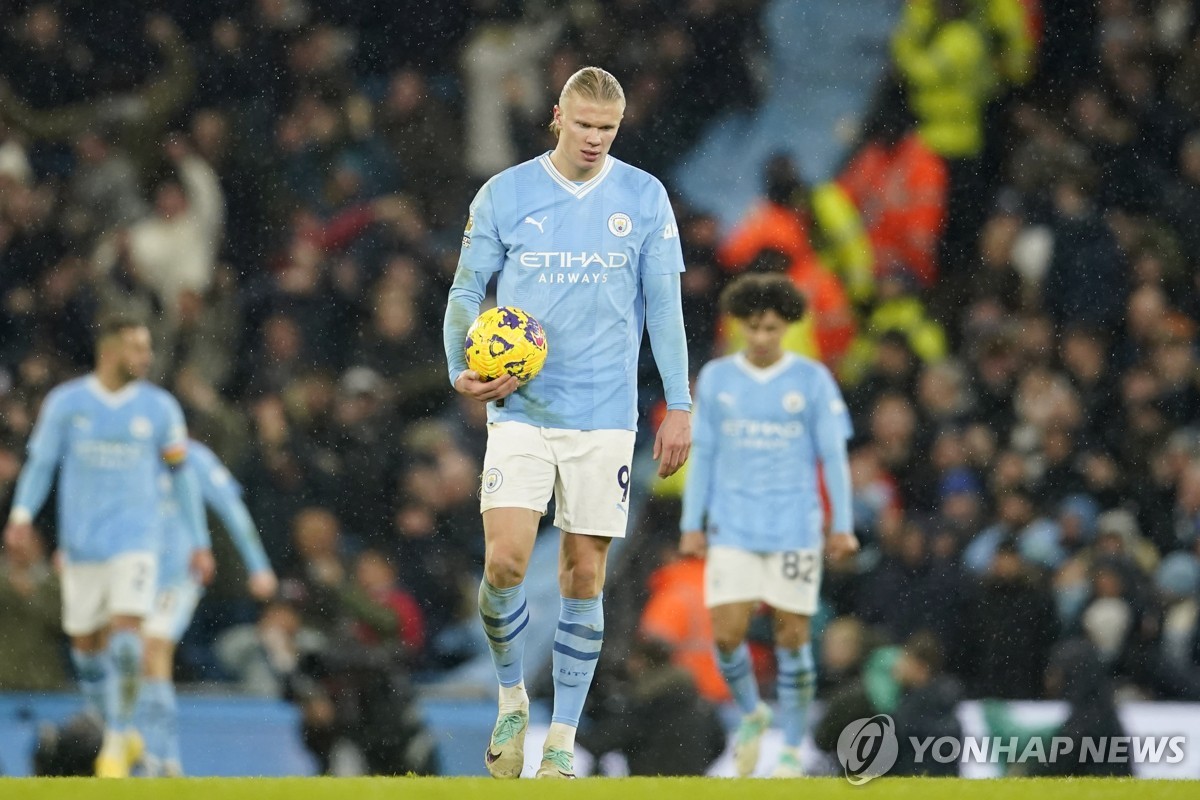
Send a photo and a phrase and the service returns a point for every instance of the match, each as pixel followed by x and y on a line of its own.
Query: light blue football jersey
pixel 757 442
pixel 223 494
pixel 108 448
pixel 574 256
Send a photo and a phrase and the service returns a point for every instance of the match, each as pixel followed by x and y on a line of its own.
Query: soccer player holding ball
pixel 765 421
pixel 588 246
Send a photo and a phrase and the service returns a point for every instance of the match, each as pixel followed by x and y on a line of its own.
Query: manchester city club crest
pixel 793 402
pixel 492 479
pixel 141 428
pixel 619 224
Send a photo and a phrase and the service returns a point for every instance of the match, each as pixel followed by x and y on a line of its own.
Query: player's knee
pixel 503 571
pixel 728 641
pixel 792 636
pixel 581 580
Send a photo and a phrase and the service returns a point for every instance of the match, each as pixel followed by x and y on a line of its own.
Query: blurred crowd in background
pixel 1003 275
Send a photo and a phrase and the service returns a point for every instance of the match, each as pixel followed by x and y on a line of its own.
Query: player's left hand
pixel 263 585
pixel 203 565
pixel 673 442
pixel 840 545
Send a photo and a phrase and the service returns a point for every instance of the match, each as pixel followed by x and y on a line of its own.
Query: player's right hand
pixel 469 384
pixel 18 537
pixel 693 543
pixel 203 565
pixel 263 585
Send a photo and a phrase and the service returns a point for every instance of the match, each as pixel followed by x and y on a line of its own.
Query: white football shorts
pixel 788 580
pixel 93 592
pixel 174 607
pixel 587 473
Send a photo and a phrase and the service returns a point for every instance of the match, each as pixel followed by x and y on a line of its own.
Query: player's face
pixel 588 130
pixel 134 354
pixel 764 338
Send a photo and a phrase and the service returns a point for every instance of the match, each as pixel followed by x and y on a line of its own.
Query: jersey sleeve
pixel 49 432
pixel 45 452
pixel 662 253
pixel 223 495
pixel 172 436
pixel 697 492
pixel 482 250
pixel 832 429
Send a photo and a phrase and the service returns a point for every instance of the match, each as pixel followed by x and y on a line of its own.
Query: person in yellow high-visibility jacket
pixel 818 238
pixel 1010 39
pixel 945 60
pixel 899 310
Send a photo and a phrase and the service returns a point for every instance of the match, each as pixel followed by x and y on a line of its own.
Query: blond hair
pixel 590 83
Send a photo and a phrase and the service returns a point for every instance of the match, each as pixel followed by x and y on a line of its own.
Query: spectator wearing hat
pixel 960 507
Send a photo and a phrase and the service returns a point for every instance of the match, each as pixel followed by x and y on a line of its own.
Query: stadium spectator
pixel 687 734
pixel 928 704
pixel 899 186
pixel 30 651
pixel 1004 655
pixel 674 614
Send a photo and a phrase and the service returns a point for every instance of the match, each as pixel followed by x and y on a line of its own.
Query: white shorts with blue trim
pixel 587 473
pixel 789 580
pixel 93 592
pixel 174 607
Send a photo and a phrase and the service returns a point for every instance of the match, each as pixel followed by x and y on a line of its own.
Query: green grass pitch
pixel 585 789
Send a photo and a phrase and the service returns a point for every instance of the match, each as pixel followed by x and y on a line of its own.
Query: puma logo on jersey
pixel 537 223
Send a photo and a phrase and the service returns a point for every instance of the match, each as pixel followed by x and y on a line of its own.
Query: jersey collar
pixel 579 190
pixel 764 374
pixel 112 399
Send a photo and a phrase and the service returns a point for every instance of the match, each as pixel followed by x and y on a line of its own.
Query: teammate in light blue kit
pixel 178 594
pixel 589 246
pixel 109 433
pixel 765 421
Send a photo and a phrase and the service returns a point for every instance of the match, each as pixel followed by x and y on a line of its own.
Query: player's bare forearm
pixel 693 543
pixel 469 384
pixel 673 442
pixel 841 545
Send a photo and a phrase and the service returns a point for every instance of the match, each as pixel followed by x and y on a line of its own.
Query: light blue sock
pixel 505 616
pixel 159 720
pixel 92 670
pixel 738 672
pixel 797 682
pixel 577 644
pixel 125 650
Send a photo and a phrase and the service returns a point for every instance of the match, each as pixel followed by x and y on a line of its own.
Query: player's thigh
pixel 174 607
pixel 84 597
pixel 792 582
pixel 518 468
pixel 592 492
pixel 731 623
pixel 508 538
pixel 133 582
